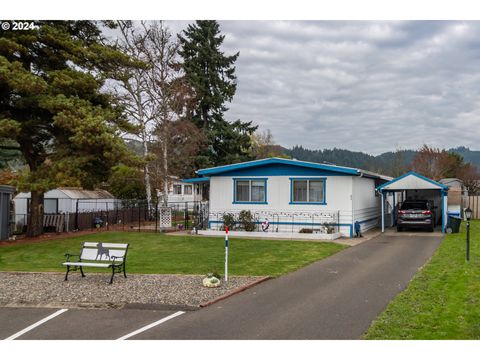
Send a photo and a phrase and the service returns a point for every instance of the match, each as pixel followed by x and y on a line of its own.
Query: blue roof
pixel 257 163
pixel 413 173
pixel 196 180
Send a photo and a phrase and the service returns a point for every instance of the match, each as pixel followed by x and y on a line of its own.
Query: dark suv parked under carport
pixel 415 214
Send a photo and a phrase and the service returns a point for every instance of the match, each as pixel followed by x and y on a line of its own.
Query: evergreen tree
pixel 53 109
pixel 211 74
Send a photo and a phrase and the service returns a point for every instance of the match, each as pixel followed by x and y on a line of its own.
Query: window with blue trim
pixel 308 191
pixel 250 191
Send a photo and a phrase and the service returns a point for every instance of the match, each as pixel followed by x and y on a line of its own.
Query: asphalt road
pixel 336 298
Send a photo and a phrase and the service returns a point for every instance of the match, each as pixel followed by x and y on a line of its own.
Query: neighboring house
pixel 66 200
pixel 457 196
pixel 294 195
pixel 189 190
pixel 186 191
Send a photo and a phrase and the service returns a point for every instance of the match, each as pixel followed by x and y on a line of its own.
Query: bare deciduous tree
pixel 156 96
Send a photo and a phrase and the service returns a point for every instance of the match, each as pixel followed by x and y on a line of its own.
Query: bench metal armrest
pixel 67 255
pixel 115 258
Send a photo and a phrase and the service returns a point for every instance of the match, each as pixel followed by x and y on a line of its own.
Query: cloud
pixel 362 85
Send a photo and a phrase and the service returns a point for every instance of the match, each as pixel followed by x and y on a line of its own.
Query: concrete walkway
pixel 370 234
pixel 336 298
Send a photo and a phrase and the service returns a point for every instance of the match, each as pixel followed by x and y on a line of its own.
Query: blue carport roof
pixel 398 183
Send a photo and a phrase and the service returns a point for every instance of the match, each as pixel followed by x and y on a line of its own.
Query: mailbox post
pixel 226 253
pixel 468 215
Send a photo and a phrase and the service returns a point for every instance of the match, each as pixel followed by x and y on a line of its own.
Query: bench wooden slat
pixel 104 265
pixel 92 254
pixel 105 245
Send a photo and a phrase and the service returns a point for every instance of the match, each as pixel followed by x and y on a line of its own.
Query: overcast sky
pixel 360 85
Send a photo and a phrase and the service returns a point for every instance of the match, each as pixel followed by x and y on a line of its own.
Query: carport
pixel 410 185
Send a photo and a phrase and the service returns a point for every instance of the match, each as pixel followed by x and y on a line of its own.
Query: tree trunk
pixel 205 118
pixel 146 174
pixel 35 216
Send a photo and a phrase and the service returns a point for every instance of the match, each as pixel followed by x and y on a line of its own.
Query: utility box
pixel 6 214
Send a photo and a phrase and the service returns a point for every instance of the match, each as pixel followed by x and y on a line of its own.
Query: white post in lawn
pixel 226 253
pixel 383 212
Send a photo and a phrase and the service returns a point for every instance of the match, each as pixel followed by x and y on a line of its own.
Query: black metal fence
pixel 126 215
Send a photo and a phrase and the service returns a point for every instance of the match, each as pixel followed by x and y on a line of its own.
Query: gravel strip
pixel 49 289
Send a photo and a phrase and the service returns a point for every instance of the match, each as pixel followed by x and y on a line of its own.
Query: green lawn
pixel 443 299
pixel 161 254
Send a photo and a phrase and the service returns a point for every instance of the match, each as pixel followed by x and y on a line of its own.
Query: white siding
pixel 338 200
pixel 85 205
pixel 20 205
pixel 366 206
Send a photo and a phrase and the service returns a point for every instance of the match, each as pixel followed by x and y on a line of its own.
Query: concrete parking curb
pixel 236 291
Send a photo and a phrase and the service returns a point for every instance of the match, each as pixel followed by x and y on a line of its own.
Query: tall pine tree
pixel 53 111
pixel 211 74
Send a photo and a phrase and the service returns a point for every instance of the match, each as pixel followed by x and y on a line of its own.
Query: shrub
pixel 246 220
pixel 330 227
pixel 214 273
pixel 228 220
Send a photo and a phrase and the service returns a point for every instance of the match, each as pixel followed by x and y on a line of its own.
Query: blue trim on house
pixel 441 186
pixel 324 202
pixel 256 163
pixel 265 180
pixel 272 170
pixel 196 180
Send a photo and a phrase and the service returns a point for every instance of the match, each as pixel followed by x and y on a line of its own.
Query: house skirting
pixel 272 235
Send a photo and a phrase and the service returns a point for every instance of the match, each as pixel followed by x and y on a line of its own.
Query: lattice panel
pixel 165 217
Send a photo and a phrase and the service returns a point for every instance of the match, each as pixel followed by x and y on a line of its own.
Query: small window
pixel 187 189
pixel 177 189
pixel 50 206
pixel 243 191
pixel 253 191
pixel 308 191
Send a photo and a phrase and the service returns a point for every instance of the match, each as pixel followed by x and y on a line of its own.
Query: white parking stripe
pixel 38 323
pixel 145 328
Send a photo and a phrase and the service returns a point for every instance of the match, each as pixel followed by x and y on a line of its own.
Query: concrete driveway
pixel 336 298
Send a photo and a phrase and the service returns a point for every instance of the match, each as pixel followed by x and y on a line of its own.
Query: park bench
pixel 99 255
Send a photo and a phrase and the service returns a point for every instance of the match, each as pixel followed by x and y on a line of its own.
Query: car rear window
pixel 417 205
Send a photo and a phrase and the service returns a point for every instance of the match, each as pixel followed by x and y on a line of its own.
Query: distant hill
pixel 388 163
pixel 471 156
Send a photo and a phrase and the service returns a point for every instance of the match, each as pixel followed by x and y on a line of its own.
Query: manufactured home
pixel 295 196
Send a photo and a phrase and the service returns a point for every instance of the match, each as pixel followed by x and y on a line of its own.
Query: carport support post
pixel 383 211
pixel 443 212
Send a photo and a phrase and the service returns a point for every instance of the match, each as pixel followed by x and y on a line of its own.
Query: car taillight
pixel 401 212
pixel 428 212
